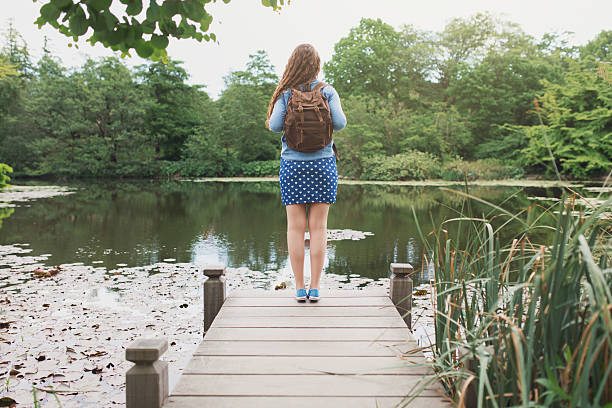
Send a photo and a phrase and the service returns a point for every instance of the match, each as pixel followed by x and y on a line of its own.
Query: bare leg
pixel 296 226
pixel 317 225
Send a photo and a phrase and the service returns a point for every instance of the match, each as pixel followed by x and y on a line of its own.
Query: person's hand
pixel 268 124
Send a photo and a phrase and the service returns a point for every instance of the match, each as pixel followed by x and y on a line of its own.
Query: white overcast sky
pixel 244 26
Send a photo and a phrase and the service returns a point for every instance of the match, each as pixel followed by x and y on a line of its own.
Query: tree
pixel 173 114
pixel 15 72
pixel 364 62
pixel 499 91
pixel 16 51
pixel 363 138
pixel 466 42
pixel 243 106
pixel 7 91
pixel 578 125
pixel 127 30
pixel 600 47
pixel 91 122
pixel 491 71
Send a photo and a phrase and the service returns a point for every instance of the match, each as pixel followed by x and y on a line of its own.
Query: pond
pixel 116 223
pixel 129 254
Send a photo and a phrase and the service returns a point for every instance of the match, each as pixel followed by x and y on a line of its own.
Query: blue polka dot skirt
pixel 308 181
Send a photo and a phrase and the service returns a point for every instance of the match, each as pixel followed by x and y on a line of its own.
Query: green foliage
pixel 363 61
pixel 359 140
pixel 127 30
pixel 578 128
pixel 243 106
pixel 6 69
pixel 188 168
pixel 261 168
pixel 376 128
pixel 205 147
pixel 439 130
pixel 467 91
pixel 520 322
pixel 460 97
pixel 498 91
pixel 16 63
pixel 175 109
pixel 376 60
pixel 600 47
pixel 92 123
pixel 484 169
pixel 225 166
pixel 412 165
pixel 5 169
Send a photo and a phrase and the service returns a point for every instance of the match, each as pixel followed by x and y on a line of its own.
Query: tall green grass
pixel 521 323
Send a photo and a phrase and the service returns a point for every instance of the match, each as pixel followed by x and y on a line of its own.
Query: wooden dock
pixel 264 349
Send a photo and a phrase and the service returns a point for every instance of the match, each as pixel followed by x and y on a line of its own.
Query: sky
pixel 245 26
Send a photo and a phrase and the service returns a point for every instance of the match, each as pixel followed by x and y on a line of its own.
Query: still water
pixel 242 224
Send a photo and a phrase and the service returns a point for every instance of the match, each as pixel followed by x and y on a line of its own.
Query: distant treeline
pixel 481 97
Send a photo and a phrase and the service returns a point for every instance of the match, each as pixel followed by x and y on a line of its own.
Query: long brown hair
pixel 303 66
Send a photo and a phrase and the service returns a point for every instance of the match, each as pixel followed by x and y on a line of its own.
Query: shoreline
pixel 423 183
pixel 520 182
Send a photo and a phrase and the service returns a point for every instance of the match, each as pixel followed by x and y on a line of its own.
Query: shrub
pixel 226 166
pixel 261 168
pixel 412 165
pixel 186 168
pixel 486 169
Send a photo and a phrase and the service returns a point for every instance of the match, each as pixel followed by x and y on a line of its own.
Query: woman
pixel 306 179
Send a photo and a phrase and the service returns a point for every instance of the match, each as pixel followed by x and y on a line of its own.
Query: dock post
pixel 400 290
pixel 214 293
pixel 146 383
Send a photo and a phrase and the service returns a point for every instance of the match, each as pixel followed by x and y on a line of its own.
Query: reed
pixel 521 323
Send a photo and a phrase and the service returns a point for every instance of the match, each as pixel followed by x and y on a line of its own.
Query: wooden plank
pixel 303 348
pixel 266 350
pixel 322 334
pixel 310 322
pixel 291 302
pixel 300 385
pixel 290 293
pixel 302 402
pixel 307 311
pixel 307 365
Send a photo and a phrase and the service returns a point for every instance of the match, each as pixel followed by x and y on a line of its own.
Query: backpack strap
pixel 319 86
pixel 335 151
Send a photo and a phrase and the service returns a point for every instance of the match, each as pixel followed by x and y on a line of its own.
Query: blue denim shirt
pixel 277 120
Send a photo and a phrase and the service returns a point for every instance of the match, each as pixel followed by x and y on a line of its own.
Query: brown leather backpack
pixel 308 121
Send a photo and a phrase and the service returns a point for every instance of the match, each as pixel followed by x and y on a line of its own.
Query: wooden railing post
pixel 214 293
pixel 146 383
pixel 400 290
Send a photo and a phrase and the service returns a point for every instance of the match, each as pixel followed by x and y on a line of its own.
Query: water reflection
pixel 239 224
pixel 5 212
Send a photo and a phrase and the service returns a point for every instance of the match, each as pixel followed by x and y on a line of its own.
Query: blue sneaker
pixel 301 295
pixel 313 295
